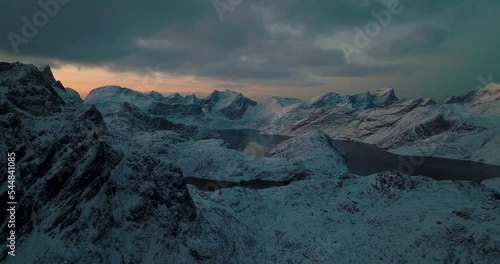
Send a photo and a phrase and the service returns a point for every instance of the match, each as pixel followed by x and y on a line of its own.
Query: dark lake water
pixel 213 185
pixel 365 159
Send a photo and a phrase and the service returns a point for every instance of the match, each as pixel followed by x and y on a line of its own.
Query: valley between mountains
pixel 129 177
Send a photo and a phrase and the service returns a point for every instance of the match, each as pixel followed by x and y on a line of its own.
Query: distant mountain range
pixel 465 126
pixel 101 180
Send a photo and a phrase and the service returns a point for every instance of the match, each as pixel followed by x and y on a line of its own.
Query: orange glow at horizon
pixel 84 80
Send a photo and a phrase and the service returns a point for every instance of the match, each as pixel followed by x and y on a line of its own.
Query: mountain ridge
pixel 109 172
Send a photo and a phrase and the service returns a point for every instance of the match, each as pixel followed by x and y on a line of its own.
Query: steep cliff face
pixel 357 101
pixel 176 98
pixel 178 111
pixel 102 181
pixel 228 104
pixel 29 89
pixel 463 127
pixel 79 195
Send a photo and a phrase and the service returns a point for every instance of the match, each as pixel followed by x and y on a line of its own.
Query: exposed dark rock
pixel 175 110
pixel 233 110
pixel 434 127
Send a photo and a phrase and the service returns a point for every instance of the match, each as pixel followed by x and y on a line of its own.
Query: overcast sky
pixel 291 48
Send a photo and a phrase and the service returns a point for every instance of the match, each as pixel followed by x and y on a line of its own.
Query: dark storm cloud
pixel 356 70
pixel 422 40
pixel 97 31
pixel 230 86
pixel 258 41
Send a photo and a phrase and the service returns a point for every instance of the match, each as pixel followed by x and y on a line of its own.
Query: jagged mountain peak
pixel 94 120
pixel 114 189
pixel 492 87
pixel 47 72
pixel 18 67
pixel 112 94
pixel 216 94
pixel 226 98
pixel 385 90
pixel 327 94
pixel 229 104
pixel 24 73
pixel 108 88
pixel 19 78
pixel 177 98
pixel 174 95
pixel 384 95
pixel 488 93
pixel 327 99
pixel 227 91
pixel 29 89
pixel 285 101
pixel 388 93
pixel 361 101
pixel 156 95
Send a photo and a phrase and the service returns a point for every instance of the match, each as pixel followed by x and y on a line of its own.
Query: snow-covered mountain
pixel 103 180
pixel 464 127
pixel 29 89
pixel 309 155
pixel 271 111
pixel 176 98
pixel 229 104
pixel 329 112
pixel 329 99
pixel 384 218
pixel 107 96
pixel 226 105
pixel 487 94
pixel 356 102
pixel 75 188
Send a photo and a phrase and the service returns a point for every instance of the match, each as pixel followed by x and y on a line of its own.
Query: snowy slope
pixel 227 104
pixel 102 181
pixel 177 98
pixel 385 218
pixel 27 88
pixel 329 112
pixel 106 96
pixel 309 155
pixel 486 94
pixel 463 129
pixel 357 101
pixel 328 99
pixel 83 194
pixel 269 112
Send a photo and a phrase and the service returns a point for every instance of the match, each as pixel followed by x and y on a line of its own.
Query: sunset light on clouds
pixel 421 48
pixel 84 79
pixel 250 131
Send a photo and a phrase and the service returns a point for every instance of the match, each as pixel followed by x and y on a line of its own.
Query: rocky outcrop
pixel 76 188
pixel 175 110
pixel 228 104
